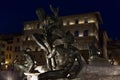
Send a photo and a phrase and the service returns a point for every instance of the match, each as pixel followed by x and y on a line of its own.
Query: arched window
pixel 76 33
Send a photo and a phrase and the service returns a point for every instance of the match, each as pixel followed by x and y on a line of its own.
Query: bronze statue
pixel 57 43
pixel 63 59
pixel 25 64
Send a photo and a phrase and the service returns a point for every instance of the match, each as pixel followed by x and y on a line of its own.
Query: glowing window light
pixel 27 27
pixel 81 22
pixel 72 23
pixel 6 62
pixel 29 38
pixel 91 34
pixel 91 21
pixel 64 24
pixel 80 35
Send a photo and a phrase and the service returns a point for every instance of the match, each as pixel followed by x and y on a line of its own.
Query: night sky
pixel 13 13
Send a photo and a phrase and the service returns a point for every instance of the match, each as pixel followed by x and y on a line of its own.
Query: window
pixel 68 22
pixel 86 20
pixel 76 21
pixel 85 32
pixel 28 27
pixel 76 33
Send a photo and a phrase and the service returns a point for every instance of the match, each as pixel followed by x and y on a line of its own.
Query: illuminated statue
pixel 64 60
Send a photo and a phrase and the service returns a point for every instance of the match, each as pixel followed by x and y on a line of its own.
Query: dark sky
pixel 13 13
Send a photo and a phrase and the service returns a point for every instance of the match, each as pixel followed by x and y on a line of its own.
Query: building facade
pixel 2 54
pixel 84 27
pixel 114 51
pixel 13 46
pixel 32 48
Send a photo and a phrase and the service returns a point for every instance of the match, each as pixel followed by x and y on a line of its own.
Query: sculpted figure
pixel 64 60
pixel 25 64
